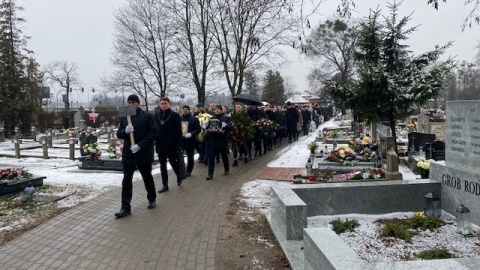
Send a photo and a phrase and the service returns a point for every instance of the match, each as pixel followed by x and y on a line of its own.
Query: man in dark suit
pixel 291 117
pixel 139 155
pixel 168 141
pixel 189 137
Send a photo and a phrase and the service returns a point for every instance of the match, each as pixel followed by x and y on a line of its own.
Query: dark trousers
pixel 214 151
pixel 242 150
pixel 127 187
pixel 190 159
pixel 291 131
pixel 306 127
pixel 172 158
pixel 200 147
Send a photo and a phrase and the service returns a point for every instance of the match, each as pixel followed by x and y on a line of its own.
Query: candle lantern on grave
pixel 433 206
pixel 464 221
pixel 309 166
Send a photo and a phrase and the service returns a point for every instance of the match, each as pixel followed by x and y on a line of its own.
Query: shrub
pixel 343 226
pixel 403 228
pixel 433 254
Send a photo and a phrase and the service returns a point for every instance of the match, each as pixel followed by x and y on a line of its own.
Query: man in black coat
pixel 168 141
pixel 218 142
pixel 189 138
pixel 291 118
pixel 256 114
pixel 139 155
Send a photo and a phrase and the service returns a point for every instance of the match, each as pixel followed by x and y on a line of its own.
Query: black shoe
pixel 123 213
pixel 164 189
pixel 189 174
pixel 179 181
pixel 209 177
pixel 226 173
pixel 235 164
pixel 151 205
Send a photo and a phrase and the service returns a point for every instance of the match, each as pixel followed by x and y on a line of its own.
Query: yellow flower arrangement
pixel 204 118
pixel 422 166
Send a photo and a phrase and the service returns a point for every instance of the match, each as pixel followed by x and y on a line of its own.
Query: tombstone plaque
pixel 437 150
pixel 417 139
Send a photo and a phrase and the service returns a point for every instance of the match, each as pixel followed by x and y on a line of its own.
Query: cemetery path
pixel 194 226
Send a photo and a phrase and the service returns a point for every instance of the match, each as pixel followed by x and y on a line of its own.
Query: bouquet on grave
pixel 11 174
pixel 92 148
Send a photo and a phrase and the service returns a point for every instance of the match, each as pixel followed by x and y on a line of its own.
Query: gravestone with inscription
pixel 460 175
pixel 417 140
pixel 435 151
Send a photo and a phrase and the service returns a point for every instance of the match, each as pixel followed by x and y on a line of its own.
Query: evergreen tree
pixel 20 79
pixel 251 86
pixel 391 81
pixel 273 88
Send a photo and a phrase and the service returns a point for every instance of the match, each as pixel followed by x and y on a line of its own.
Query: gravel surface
pixel 365 241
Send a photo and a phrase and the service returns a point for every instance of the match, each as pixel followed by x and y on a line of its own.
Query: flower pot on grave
pixel 424 174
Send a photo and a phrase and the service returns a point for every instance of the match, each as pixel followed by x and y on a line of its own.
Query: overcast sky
pixel 81 31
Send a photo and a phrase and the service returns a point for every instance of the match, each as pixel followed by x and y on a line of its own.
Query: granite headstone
pixel 417 139
pixel 460 174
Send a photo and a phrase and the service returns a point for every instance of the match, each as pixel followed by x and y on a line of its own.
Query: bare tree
pixel 333 43
pixel 63 73
pixel 144 47
pixel 195 41
pixel 246 31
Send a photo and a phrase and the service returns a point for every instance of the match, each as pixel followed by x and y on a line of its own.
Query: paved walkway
pixel 180 233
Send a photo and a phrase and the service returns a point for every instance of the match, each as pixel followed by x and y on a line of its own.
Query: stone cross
pixel 50 138
pixel 71 142
pixel 17 141
pixel 2 134
pixel 34 133
pixel 109 134
pixel 391 171
pixel 44 142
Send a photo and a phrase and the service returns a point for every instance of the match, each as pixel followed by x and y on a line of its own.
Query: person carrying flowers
pixel 241 132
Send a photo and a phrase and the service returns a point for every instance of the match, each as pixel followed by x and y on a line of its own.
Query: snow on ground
pixel 296 155
pixel 365 241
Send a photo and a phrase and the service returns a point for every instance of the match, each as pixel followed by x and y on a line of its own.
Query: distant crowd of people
pixel 172 134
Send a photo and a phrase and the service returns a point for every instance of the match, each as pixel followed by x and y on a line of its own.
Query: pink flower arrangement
pixel 14 174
